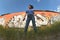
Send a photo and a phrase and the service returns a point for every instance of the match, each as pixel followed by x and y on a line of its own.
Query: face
pixel 29 7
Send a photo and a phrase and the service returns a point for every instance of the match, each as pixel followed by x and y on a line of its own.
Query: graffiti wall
pixel 41 18
pixel 17 21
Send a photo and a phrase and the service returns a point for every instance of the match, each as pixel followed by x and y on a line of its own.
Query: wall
pixel 42 18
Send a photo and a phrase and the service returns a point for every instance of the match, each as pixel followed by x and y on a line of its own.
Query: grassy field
pixel 51 32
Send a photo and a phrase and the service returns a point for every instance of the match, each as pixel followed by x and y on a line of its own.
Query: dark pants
pixel 29 18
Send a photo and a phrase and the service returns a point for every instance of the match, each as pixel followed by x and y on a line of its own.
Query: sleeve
pixel 33 11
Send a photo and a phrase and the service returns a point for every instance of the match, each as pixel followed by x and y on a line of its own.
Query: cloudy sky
pixel 10 6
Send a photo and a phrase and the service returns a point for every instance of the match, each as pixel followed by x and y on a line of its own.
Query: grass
pixel 43 33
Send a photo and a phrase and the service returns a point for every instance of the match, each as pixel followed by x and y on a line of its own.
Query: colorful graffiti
pixel 17 21
pixel 41 18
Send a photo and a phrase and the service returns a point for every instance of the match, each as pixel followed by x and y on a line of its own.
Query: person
pixel 30 16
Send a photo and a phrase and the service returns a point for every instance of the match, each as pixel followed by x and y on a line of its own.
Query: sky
pixel 11 6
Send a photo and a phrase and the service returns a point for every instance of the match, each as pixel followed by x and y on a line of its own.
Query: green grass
pixel 43 33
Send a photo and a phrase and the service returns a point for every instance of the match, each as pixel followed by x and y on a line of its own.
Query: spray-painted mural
pixel 41 18
pixel 17 21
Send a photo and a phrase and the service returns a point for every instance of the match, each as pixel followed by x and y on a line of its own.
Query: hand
pixel 23 18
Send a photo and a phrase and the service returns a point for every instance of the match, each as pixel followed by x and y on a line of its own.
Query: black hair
pixel 31 6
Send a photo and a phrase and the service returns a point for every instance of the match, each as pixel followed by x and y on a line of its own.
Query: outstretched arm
pixel 39 18
pixel 24 17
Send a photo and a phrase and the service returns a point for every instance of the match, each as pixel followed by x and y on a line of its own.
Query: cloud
pixel 38 0
pixel 58 8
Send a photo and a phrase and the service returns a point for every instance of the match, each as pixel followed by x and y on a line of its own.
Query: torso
pixel 30 13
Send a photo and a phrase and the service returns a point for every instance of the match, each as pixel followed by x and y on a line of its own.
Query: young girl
pixel 30 16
